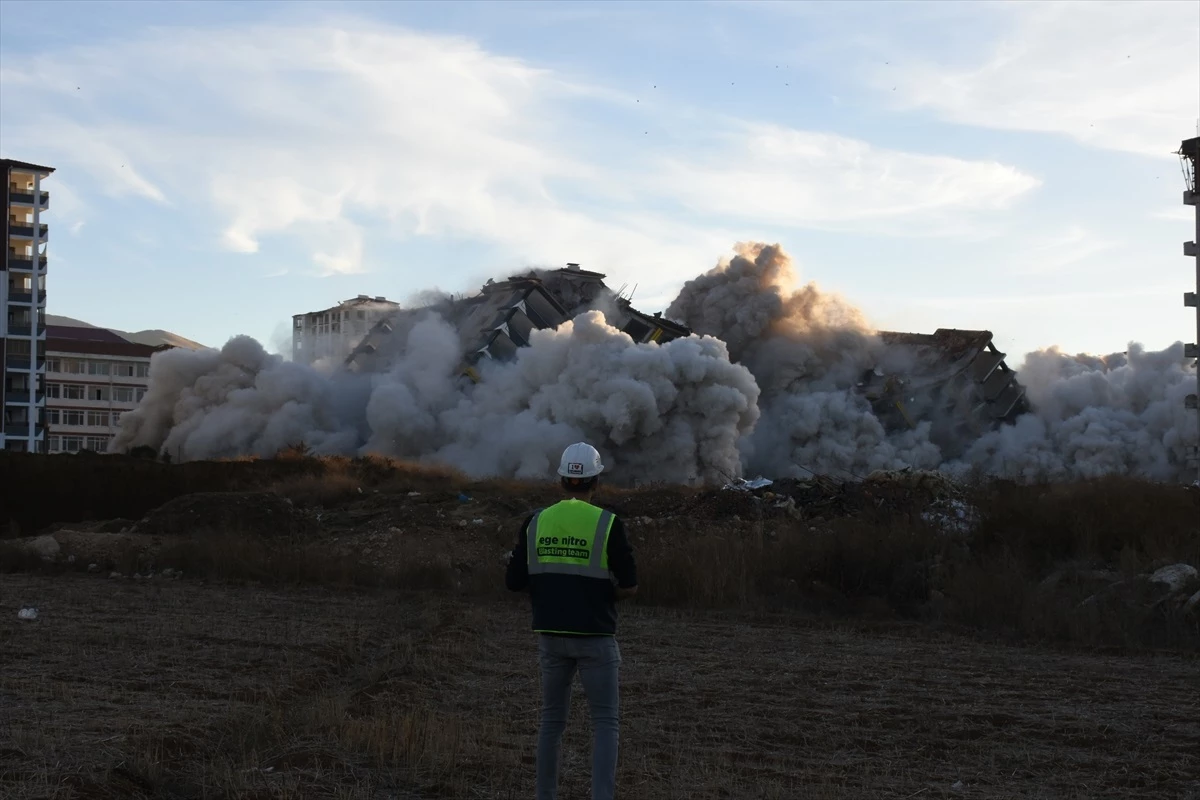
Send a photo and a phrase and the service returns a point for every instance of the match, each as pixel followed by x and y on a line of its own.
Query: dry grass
pixel 696 550
pixel 184 690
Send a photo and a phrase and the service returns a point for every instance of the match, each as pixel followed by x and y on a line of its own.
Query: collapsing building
pixel 501 318
pixel 957 380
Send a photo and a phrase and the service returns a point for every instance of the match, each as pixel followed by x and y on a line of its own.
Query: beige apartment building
pixel 92 377
pixel 332 334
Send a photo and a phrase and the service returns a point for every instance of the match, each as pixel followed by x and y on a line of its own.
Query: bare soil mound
pixel 260 513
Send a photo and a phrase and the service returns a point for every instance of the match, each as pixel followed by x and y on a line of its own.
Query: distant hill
pixel 153 338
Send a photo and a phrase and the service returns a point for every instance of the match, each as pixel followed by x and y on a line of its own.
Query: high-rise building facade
pixel 93 375
pixel 333 333
pixel 23 297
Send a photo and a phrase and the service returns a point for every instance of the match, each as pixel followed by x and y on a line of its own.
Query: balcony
pixel 22 398
pixel 21 261
pixel 21 298
pixel 20 430
pixel 24 197
pixel 17 363
pixel 21 231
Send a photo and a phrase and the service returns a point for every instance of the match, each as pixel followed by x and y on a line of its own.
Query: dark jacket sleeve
pixel 620 556
pixel 516 577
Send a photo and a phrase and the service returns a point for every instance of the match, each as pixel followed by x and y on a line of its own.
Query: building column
pixel 33 322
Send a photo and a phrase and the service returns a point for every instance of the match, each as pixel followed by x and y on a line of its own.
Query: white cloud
pixel 789 177
pixel 1114 75
pixel 331 134
pixel 1176 214
pixel 1049 254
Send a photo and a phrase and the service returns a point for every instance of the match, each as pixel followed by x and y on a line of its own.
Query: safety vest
pixel 570 538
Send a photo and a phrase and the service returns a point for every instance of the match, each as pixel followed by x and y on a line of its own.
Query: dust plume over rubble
pixel 807 350
pixel 775 379
pixel 673 412
pixel 1118 414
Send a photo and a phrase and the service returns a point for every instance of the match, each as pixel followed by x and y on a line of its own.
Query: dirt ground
pixel 183 689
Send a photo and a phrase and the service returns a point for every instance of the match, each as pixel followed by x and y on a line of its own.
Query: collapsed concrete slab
pixel 498 320
pixel 955 379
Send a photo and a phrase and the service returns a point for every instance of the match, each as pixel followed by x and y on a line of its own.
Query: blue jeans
pixel 597 658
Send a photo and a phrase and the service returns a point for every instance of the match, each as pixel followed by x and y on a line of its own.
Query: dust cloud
pixel 770 383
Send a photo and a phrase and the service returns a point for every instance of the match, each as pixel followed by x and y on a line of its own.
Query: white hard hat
pixel 580 460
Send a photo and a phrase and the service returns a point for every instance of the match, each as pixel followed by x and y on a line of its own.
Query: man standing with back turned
pixel 567 556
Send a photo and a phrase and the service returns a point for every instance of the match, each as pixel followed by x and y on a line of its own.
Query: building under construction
pixel 955 379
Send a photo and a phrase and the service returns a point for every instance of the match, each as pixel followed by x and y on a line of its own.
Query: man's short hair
pixel 579 485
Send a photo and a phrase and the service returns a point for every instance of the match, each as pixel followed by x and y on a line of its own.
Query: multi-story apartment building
pixel 92 376
pixel 335 332
pixel 23 298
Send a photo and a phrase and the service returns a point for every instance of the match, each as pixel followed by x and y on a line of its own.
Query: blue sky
pixel 222 166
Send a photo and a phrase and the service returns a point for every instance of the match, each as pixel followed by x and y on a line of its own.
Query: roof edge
pixel 13 163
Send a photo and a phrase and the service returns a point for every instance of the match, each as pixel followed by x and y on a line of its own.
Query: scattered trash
pixel 414 494
pixel 1176 576
pixel 952 515
pixel 957 786
pixel 743 485
pixel 115 575
pixel 477 522
pixel 93 567
pixel 463 497
pixel 71 559
pixel 27 613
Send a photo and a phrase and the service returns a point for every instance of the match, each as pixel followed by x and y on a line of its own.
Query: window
pixel 18 347
pixel 72 417
pixel 51 416
pixel 54 389
pixel 72 391
pixel 72 444
pixel 122 394
pixel 97 444
pixel 97 393
pixel 53 365
pixel 97 419
pixel 53 443
pixel 122 370
pixel 140 394
pixel 116 418
pixel 73 366
pixel 97 367
pixel 143 371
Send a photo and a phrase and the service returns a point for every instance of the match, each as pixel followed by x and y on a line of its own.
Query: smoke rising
pixel 669 413
pixel 770 383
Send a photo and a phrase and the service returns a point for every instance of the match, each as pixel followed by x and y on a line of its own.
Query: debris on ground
pixel 744 485
pixel 1175 576
pixel 261 513
pixel 27 613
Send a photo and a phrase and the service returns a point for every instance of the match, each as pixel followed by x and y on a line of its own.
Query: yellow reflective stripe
pixel 572 633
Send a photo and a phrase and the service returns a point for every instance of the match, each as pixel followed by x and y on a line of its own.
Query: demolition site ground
pixel 327 628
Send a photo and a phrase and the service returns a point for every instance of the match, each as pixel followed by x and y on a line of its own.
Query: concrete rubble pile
pixel 904 493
